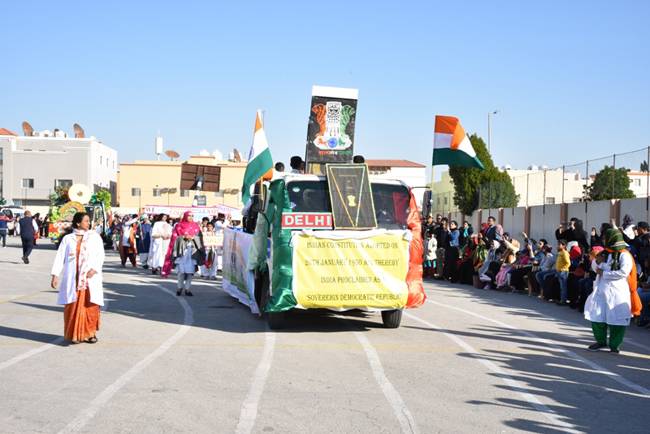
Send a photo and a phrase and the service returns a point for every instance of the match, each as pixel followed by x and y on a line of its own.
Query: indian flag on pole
pixel 259 159
pixel 451 145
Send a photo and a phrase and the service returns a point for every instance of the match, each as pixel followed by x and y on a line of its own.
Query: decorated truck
pixel 65 204
pixel 306 252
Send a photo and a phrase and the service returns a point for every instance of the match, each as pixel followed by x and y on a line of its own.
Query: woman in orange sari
pixel 78 263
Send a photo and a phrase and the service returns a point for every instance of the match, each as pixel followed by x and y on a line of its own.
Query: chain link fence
pixel 617 176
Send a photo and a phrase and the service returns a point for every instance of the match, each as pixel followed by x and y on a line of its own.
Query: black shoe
pixel 25 260
pixel 614 350
pixel 189 293
pixel 179 292
pixel 596 347
pixel 146 267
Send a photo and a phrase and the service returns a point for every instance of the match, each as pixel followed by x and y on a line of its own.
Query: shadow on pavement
pixel 576 393
pixel 29 335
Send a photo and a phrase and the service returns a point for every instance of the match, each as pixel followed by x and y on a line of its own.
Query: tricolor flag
pixel 451 145
pixel 259 159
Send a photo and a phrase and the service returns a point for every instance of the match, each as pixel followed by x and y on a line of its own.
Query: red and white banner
pixel 307 220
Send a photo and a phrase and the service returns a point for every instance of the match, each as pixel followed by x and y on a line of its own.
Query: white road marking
pixel 30 353
pixel 404 416
pixel 549 414
pixel 248 413
pixel 628 341
pixel 87 414
pixel 595 367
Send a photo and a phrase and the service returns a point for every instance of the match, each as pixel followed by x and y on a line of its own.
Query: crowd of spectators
pixel 558 271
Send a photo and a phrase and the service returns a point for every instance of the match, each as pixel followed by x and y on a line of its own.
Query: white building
pixel 32 167
pixel 543 186
pixel 410 173
pixel 639 183
pixel 535 186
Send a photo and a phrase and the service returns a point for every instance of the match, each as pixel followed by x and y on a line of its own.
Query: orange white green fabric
pixel 259 158
pixel 451 145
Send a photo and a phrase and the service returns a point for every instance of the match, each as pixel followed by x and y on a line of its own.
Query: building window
pixel 28 183
pixel 637 182
pixel 550 201
pixel 156 192
pixel 445 200
pixel 185 193
pixel 101 160
pixel 135 192
pixel 62 183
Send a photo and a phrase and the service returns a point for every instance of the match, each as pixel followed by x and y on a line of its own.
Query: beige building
pixel 151 183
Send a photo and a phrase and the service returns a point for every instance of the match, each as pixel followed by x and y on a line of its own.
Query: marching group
pixel 166 244
pixel 605 275
pixel 184 245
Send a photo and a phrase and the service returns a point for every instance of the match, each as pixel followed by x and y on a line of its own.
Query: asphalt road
pixel 468 361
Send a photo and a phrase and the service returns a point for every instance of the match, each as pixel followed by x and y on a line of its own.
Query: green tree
pixel 610 183
pixel 489 188
pixel 105 197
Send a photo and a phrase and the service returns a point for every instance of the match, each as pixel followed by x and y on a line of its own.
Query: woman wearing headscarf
pixel 77 273
pixel 614 299
pixel 161 234
pixel 185 252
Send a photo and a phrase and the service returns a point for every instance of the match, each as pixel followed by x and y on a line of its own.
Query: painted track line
pixel 30 353
pixel 404 416
pixel 552 344
pixel 549 414
pixel 96 404
pixel 248 413
pixel 628 340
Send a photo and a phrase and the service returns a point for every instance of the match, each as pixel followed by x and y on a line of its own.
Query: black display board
pixel 351 196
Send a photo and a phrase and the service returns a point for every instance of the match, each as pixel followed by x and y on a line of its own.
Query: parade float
pixel 334 238
pixel 65 203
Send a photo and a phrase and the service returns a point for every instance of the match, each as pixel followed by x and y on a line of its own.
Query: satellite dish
pixel 236 156
pixel 204 153
pixel 27 129
pixel 172 154
pixel 217 155
pixel 79 193
pixel 79 132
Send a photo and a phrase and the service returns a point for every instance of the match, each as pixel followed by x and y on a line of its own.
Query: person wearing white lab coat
pixel 610 304
pixel 77 274
pixel 161 234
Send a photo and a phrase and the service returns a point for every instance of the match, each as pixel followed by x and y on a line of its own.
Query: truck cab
pixel 306 197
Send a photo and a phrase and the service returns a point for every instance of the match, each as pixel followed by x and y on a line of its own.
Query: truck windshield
pixel 391 201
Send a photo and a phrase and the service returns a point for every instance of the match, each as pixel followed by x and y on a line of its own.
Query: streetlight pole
pixel 490 130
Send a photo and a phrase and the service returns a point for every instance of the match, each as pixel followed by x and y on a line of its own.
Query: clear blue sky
pixel 571 78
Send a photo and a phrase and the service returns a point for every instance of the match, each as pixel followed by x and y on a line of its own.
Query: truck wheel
pixel 275 320
pixel 391 318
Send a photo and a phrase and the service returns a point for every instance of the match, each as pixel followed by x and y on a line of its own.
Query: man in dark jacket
pixel 28 230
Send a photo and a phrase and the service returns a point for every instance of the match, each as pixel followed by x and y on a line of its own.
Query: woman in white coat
pixel 161 234
pixel 612 303
pixel 77 273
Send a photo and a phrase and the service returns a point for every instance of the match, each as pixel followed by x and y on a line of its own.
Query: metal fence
pixel 570 183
